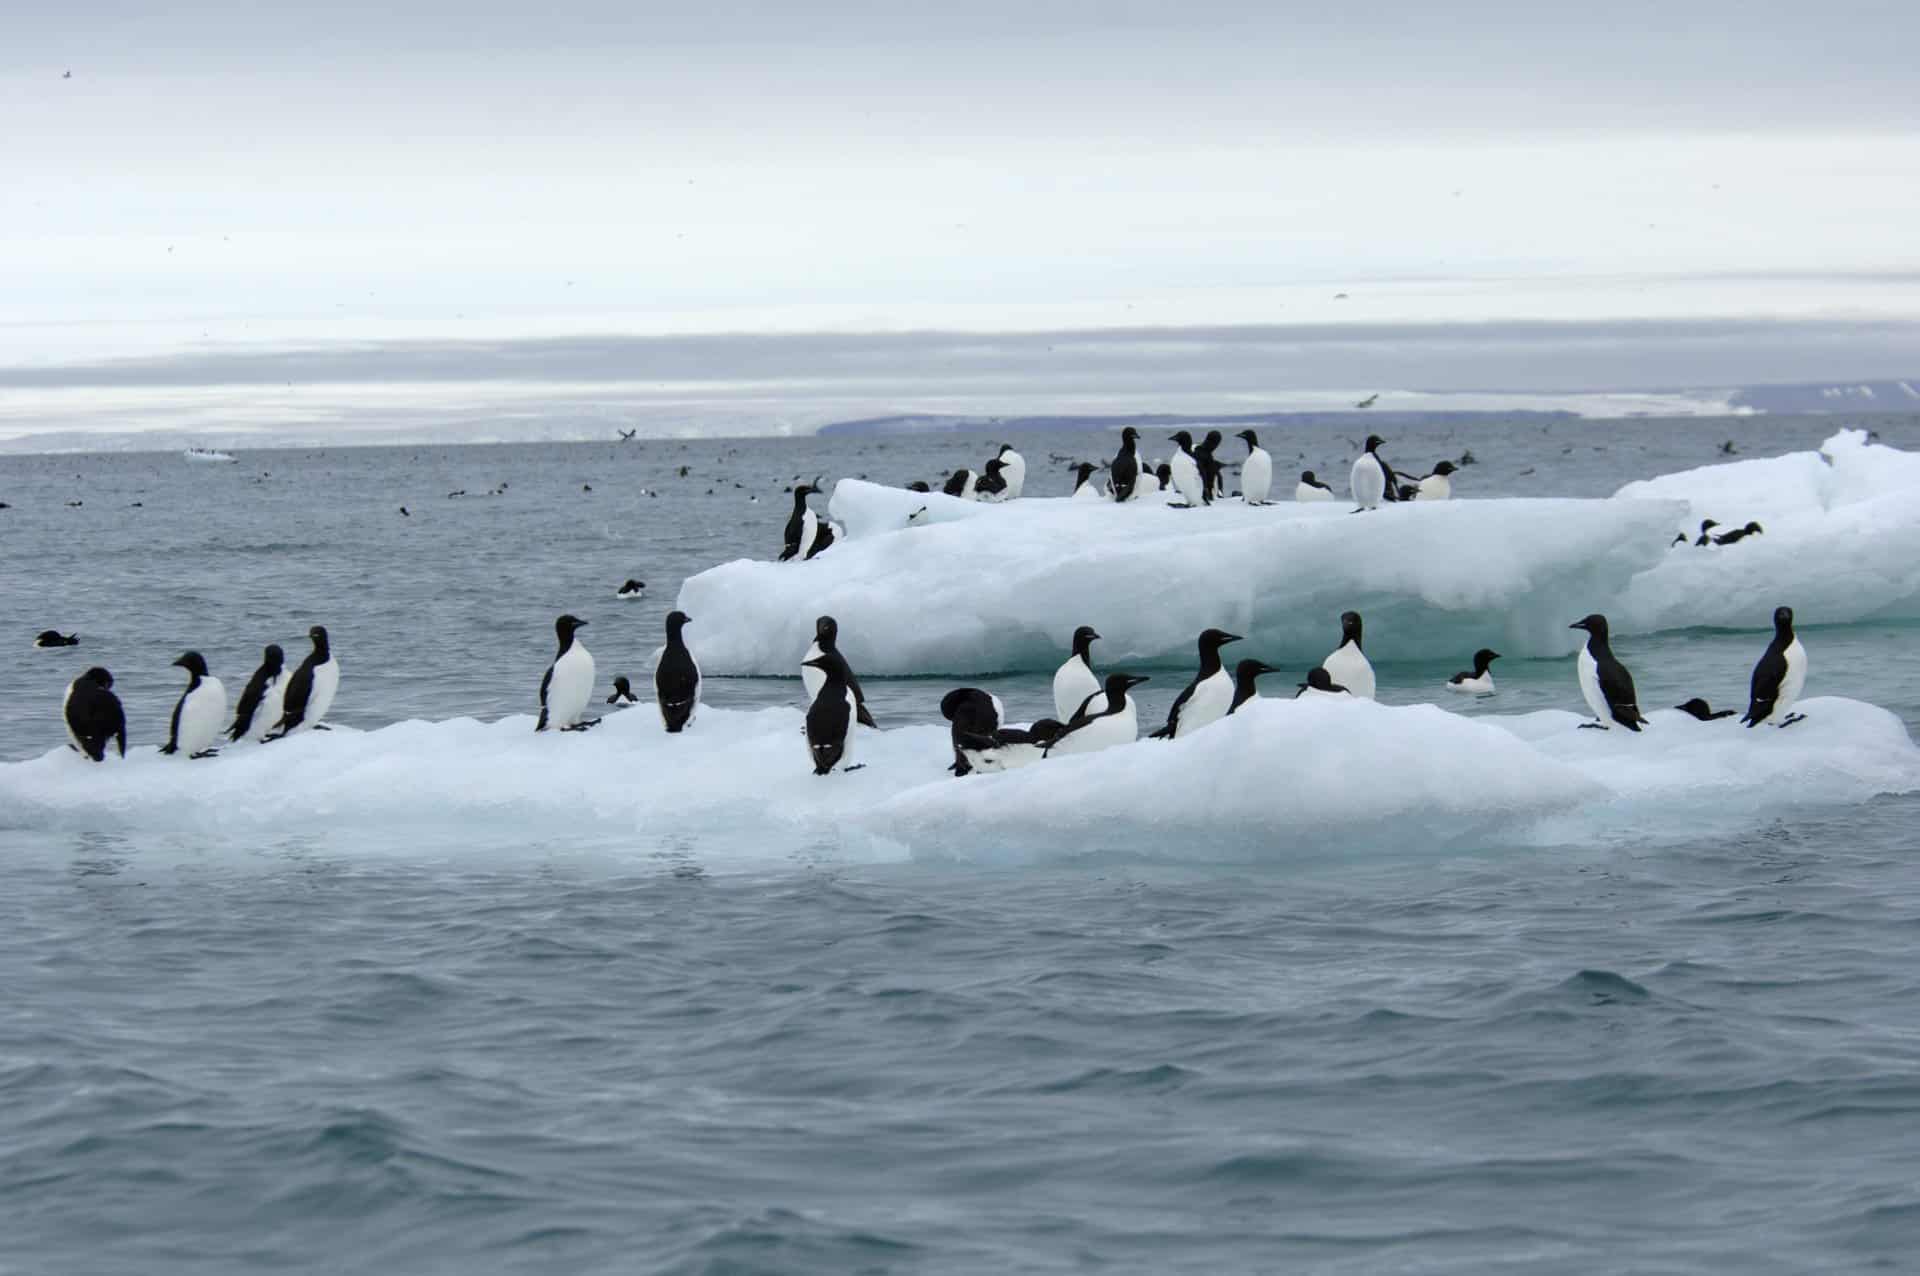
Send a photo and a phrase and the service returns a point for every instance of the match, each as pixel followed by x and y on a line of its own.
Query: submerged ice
pixel 926 583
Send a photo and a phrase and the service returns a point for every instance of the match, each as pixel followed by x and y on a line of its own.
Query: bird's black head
pixel 1247 670
pixel 1083 638
pixel 1306 476
pixel 1183 438
pixel 1164 472
pixel 1129 435
pixel 1350 627
pixel 1318 679
pixel 273 657
pixel 1596 624
pixel 1484 657
pixel 193 663
pixel 964 700
pixel 633 584
pixel 802 491
pixel 1707 523
pixel 1212 440
pixel 318 635
pixel 1249 437
pixel 1081 471
pixel 825 630
pixel 995 465
pixel 1754 529
pixel 99 677
pixel 1374 441
pixel 1443 468
pixel 1783 619
pixel 1214 639
pixel 1697 708
pixel 677 619
pixel 565 626
pixel 621 685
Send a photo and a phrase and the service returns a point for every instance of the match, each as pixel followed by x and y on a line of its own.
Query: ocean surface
pixel 455 1048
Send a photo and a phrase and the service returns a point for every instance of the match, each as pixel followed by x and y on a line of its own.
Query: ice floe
pixel 925 583
pixel 1279 780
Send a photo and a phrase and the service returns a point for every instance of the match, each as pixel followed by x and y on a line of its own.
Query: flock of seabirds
pixel 1092 712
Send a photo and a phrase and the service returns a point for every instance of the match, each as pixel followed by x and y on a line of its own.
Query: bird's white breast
pixel 1434 487
pixel 1304 491
pixel 1794 681
pixel 326 681
pixel 811 680
pixel 570 687
pixel 1186 477
pixel 202 714
pixel 1072 684
pixel 1589 672
pixel 272 704
pixel 1481 685
pixel 1349 667
pixel 1369 482
pixel 1103 732
pixel 1208 704
pixel 1256 476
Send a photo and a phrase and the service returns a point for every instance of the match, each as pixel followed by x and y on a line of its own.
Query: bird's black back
pixel 676 683
pixel 95 716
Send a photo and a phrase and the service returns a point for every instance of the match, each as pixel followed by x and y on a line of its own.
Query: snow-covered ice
pixel 1280 779
pixel 925 583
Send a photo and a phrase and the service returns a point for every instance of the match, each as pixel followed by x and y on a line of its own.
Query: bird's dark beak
pixel 1136 681
pixel 180 663
pixel 579 624
pixel 1578 624
pixel 1231 638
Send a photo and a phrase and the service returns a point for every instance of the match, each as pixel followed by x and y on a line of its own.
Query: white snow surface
pixel 1841 541
pixel 972 588
pixel 1280 779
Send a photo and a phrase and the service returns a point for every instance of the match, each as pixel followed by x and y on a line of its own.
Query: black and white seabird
pixel 1105 720
pixel 1013 468
pixel 260 704
pixel 1372 478
pixel 1213 478
pixel 1698 708
pixel 1604 681
pixel 310 690
pixel 1084 488
pixel 1739 534
pixel 830 717
pixel 568 683
pixel 1256 472
pixel 826 638
pixel 1246 676
pixel 1207 698
pixel 676 679
pixel 1706 532
pixel 1348 664
pixel 622 692
pixel 1779 677
pixel 1310 488
pixel 1437 486
pixel 1186 471
pixel 1480 681
pixel 1321 683
pixel 54 638
pixel 1124 473
pixel 1075 680
pixel 93 714
pixel 802 525
pixel 992 486
pixel 631 590
pixel 962 484
pixel 199 711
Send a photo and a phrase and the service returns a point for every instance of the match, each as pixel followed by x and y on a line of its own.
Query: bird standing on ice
pixel 1013 468
pixel 1310 488
pixel 1074 680
pixel 1437 486
pixel 198 713
pixel 1186 471
pixel 568 683
pixel 830 716
pixel 1604 682
pixel 260 705
pixel 1348 665
pixel 93 714
pixel 676 679
pixel 311 690
pixel 1207 698
pixel 1256 472
pixel 1246 676
pixel 803 525
pixel 1779 677
pixel 1084 488
pixel 1103 721
pixel 1213 475
pixel 1372 478
pixel 1124 473
pixel 826 638
pixel 1480 681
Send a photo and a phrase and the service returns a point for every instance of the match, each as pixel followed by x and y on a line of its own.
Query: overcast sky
pixel 220 174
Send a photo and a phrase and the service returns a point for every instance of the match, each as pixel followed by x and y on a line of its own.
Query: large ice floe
pixel 925 583
pixel 1279 780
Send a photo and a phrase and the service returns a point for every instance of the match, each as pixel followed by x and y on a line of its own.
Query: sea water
pixel 459 1046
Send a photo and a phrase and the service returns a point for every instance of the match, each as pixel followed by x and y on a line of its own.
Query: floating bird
pixel 1779 677
pixel 631 590
pixel 260 703
pixel 1348 664
pixel 1207 698
pixel 1480 681
pixel 622 691
pixel 826 641
pixel 93 714
pixel 1604 681
pixel 568 683
pixel 676 679
pixel 54 638
pixel 198 713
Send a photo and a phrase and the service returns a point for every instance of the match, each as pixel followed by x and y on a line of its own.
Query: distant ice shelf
pixel 925 583
pixel 1280 780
